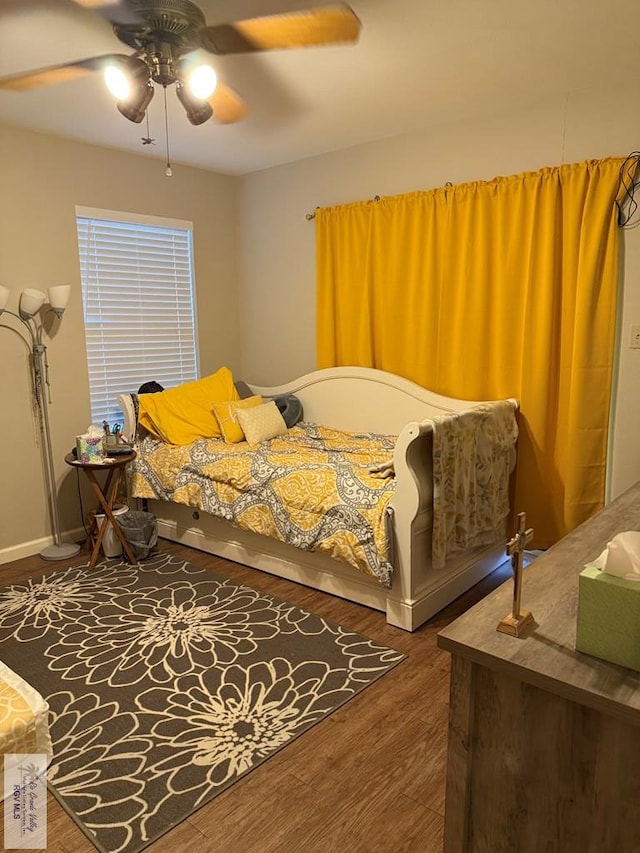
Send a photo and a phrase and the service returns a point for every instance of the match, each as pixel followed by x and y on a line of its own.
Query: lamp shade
pixel 197 111
pixel 124 74
pixel 4 297
pixel 135 106
pixel 202 82
pixel 31 301
pixel 128 79
pixel 117 82
pixel 59 297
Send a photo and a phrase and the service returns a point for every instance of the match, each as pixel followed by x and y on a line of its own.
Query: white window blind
pixel 138 299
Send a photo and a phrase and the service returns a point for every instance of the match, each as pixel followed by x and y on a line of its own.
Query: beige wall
pixel 43 179
pixel 277 275
pixel 257 314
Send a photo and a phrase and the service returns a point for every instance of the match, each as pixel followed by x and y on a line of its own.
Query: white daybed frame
pixel 358 399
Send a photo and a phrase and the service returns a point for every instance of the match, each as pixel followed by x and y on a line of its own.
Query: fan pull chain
pixel 168 171
pixel 148 139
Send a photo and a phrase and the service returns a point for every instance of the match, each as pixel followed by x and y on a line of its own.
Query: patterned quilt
pixel 313 488
pixel 24 719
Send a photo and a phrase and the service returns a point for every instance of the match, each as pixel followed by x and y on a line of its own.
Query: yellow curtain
pixel 488 290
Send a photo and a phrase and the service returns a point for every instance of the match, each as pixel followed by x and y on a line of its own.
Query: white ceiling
pixel 418 63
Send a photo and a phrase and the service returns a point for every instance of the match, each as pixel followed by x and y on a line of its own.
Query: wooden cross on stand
pixel 515 623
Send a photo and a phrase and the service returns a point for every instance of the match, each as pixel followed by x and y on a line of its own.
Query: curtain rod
pixel 310 216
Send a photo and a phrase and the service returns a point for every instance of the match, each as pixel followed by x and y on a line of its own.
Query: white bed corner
pixel 359 399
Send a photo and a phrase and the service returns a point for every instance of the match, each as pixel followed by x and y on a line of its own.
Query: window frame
pixel 103 395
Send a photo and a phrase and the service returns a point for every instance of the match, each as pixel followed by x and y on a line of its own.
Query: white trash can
pixel 111 545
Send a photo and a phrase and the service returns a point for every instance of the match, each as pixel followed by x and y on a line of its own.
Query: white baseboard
pixel 34 546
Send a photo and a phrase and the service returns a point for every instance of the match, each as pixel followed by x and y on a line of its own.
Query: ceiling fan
pixel 164 35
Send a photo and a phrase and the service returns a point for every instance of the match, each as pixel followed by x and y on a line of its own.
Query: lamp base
pixel 64 551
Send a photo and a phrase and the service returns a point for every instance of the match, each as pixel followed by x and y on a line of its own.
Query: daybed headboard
pixel 351 398
pixel 364 399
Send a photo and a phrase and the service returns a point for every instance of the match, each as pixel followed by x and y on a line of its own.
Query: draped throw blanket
pixel 485 291
pixel 473 457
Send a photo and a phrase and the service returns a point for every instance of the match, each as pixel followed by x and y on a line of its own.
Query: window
pixel 139 306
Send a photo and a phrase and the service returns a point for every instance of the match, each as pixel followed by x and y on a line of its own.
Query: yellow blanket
pixel 312 488
pixel 24 718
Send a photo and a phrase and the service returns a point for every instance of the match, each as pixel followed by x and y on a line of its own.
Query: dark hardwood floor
pixel 368 779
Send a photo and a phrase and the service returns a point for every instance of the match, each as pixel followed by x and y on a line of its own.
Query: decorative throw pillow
pixel 243 389
pixel 226 415
pixel 290 408
pixel 261 422
pixel 183 414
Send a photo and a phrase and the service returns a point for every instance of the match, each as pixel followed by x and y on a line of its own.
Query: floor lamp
pixel 31 301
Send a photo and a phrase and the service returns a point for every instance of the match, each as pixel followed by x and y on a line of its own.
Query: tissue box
pixel 90 448
pixel 609 617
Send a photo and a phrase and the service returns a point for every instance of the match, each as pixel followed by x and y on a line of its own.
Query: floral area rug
pixel 167 683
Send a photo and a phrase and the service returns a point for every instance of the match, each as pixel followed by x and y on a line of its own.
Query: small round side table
pixel 106 496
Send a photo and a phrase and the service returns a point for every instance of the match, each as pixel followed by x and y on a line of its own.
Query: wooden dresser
pixel 544 742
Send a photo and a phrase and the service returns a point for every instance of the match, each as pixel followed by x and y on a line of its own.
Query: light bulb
pixel 202 82
pixel 168 171
pixel 117 82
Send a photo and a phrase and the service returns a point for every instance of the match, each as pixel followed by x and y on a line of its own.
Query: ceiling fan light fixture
pixel 202 82
pixel 135 107
pixel 117 82
pixel 166 35
pixel 197 111
pixel 126 77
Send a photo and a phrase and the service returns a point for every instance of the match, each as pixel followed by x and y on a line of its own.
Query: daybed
pixel 462 451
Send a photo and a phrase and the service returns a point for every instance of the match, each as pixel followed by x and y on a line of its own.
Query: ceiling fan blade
pixel 54 74
pixel 45 77
pixel 320 26
pixel 99 4
pixel 114 10
pixel 228 106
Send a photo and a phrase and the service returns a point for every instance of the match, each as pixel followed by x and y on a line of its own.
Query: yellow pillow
pixel 261 422
pixel 183 414
pixel 227 420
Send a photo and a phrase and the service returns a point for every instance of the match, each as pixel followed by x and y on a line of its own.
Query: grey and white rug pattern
pixel 167 682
